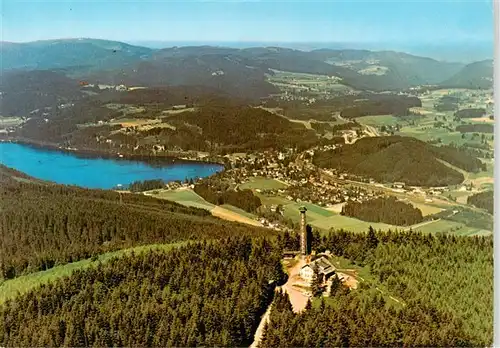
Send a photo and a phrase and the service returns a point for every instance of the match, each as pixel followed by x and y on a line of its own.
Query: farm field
pixel 263 184
pixel 14 287
pixel 273 200
pixel 6 122
pixel 314 212
pixel 189 198
pixel 231 215
pixel 184 196
pixel 423 128
pixel 439 226
pixel 427 209
pixel 378 121
pixel 291 81
pixel 238 211
pixel 348 223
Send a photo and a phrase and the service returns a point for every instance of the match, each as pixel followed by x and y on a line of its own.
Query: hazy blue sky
pixel 421 21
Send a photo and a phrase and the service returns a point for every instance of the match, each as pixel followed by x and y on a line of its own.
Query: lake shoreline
pixel 95 170
pixel 96 154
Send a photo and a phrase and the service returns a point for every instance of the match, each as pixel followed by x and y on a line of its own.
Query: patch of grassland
pixel 427 209
pixel 238 211
pixel 270 200
pixel 349 224
pixel 10 121
pixel 14 287
pixel 184 197
pixel 439 226
pixel 263 184
pixel 377 121
pixel 291 211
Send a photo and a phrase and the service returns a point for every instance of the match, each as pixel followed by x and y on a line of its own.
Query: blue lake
pixel 67 168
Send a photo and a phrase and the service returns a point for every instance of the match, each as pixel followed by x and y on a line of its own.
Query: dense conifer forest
pixel 482 200
pixel 391 159
pixel 361 318
pixel 218 195
pixel 204 294
pixel 384 209
pixel 45 225
pixel 442 273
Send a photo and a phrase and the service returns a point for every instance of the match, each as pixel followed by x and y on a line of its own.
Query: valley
pixel 163 195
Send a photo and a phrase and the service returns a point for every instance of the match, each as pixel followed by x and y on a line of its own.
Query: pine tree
pixel 316 284
pixel 371 239
pixel 336 285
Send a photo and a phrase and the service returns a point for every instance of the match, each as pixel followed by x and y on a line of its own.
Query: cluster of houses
pixel 325 193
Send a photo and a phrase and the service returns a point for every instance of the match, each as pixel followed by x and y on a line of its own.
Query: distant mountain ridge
pixel 79 55
pixel 241 72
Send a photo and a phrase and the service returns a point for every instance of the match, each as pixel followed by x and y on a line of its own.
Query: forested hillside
pixel 25 91
pixel 474 75
pixel 446 283
pixel 204 294
pixel 391 159
pixel 45 225
pixel 216 124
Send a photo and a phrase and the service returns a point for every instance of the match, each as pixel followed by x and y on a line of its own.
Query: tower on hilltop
pixel 303 231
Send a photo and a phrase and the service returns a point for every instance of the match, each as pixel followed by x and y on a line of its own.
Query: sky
pixel 417 21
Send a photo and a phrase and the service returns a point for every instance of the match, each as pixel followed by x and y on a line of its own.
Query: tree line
pixel 483 200
pixel 472 128
pixel 470 113
pixel 204 294
pixel 146 185
pixel 388 210
pixel 221 194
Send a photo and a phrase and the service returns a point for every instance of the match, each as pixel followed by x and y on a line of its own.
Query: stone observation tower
pixel 303 231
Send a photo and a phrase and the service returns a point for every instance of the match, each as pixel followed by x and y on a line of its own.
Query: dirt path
pixel 297 297
pixel 260 329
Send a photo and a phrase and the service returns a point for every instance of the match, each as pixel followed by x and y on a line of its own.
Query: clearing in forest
pixel 232 216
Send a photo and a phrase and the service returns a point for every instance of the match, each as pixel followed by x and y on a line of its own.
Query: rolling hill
pixel 73 56
pixel 474 75
pixel 25 91
pixel 391 159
